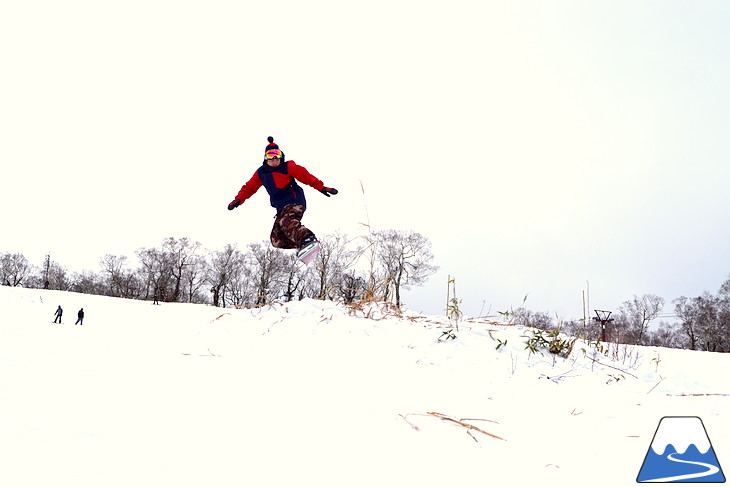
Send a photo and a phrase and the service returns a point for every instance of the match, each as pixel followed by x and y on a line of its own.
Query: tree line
pixel 702 322
pixel 374 267
pixel 377 266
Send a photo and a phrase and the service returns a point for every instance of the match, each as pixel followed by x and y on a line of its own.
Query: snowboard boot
pixel 309 249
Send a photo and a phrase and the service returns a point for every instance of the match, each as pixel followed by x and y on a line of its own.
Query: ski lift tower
pixel 46 271
pixel 603 317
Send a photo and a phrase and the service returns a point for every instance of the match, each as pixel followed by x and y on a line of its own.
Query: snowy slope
pixel 315 393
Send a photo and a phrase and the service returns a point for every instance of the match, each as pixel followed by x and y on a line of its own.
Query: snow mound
pixel 319 392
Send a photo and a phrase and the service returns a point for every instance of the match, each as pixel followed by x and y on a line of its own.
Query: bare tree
pixel 120 280
pixel 405 257
pixel 535 319
pixel 194 278
pixel 181 254
pixel 14 268
pixel 703 323
pixel 242 289
pixel 223 266
pixel 666 335
pixel 723 314
pixel 87 282
pixel 156 273
pixel 711 334
pixel 294 277
pixel 52 276
pixel 637 314
pixel 684 308
pixel 57 277
pixel 335 258
pixel 267 265
pixel 351 287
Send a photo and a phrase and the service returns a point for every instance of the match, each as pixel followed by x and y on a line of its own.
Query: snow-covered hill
pixel 316 393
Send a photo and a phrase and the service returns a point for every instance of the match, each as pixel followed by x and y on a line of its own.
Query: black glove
pixel 328 191
pixel 234 204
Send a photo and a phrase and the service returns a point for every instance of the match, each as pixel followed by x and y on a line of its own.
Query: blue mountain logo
pixel 681 452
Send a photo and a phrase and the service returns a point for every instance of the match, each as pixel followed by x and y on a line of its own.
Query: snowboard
pixel 307 253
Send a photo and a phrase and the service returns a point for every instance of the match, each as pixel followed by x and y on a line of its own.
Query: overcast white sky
pixel 539 145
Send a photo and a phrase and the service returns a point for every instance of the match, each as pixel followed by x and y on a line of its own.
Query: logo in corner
pixel 681 452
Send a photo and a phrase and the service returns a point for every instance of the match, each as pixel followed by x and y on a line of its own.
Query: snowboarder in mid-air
pixel 280 177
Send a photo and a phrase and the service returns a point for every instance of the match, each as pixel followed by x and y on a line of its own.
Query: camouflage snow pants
pixel 288 231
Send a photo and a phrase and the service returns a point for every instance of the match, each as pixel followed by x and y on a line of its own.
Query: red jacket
pixel 281 184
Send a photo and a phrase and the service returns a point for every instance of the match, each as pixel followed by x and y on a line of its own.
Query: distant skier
pixel 59 314
pixel 280 177
pixel 80 319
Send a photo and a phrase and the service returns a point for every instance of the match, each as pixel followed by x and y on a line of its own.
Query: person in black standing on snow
pixel 80 320
pixel 280 177
pixel 59 314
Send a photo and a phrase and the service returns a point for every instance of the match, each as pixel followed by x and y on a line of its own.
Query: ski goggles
pixel 273 154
